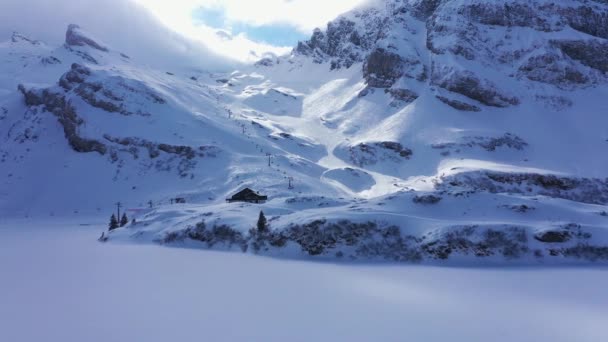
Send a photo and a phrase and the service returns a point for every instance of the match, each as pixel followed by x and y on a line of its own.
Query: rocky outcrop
pixel 345 40
pixel 421 9
pixel 592 20
pixel 50 60
pixel 426 199
pixel 81 83
pixel 401 96
pixel 592 53
pixel 75 76
pixel 477 31
pixel 74 36
pixel 348 240
pixel 546 17
pixel 371 153
pixel 468 84
pixel 382 68
pixel 510 15
pixel 562 66
pixel 105 95
pixel 584 190
pixel 553 236
pixel 17 37
pixel 489 144
pixel 56 103
pixel 563 234
pixel 460 105
pixel 550 68
pixel 154 149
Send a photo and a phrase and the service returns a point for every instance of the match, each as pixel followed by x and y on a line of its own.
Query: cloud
pixel 304 15
pixel 122 24
pixel 234 46
pixel 260 26
pixel 168 32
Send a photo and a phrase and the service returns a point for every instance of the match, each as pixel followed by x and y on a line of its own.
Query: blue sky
pixel 278 34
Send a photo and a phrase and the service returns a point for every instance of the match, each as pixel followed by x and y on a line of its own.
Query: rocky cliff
pixel 469 47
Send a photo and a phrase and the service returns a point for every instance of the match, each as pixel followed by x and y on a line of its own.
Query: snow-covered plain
pixel 59 284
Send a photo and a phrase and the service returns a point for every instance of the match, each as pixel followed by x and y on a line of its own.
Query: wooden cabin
pixel 247 195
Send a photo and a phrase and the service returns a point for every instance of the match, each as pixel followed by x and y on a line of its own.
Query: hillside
pixel 411 130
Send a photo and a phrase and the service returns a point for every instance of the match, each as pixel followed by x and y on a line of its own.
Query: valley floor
pixel 58 283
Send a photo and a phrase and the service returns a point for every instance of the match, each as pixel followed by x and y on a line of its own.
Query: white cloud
pixel 122 24
pixel 177 15
pixel 304 15
pixel 136 26
pixel 237 47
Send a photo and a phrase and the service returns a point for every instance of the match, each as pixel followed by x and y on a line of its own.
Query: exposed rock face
pixel 563 234
pixel 467 84
pixel 401 96
pixel 76 75
pixel 18 37
pixel 104 94
pixel 553 236
pixel 426 199
pixel 584 190
pixel 589 19
pixel 460 105
pixel 348 240
pixel 422 9
pixel 384 41
pixel 345 41
pixel 591 53
pixel 549 68
pixel 154 149
pixel 50 60
pixel 489 144
pixel 382 68
pixel 366 154
pixel 56 103
pixel 76 37
pixel 511 15
pixel 85 56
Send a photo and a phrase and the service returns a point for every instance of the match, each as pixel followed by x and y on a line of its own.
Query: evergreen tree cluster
pixel 114 223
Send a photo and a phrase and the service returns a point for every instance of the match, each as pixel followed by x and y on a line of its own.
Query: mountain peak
pixel 75 36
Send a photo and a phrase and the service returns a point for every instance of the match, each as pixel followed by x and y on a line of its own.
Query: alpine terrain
pixel 405 131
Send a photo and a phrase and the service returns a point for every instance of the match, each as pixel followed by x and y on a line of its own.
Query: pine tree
pixel 113 222
pixel 124 220
pixel 262 223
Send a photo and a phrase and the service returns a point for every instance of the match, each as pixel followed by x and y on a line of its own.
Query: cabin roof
pixel 247 193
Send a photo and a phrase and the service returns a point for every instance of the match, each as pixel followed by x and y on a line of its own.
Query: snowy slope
pixel 71 288
pixel 447 120
pixel 142 134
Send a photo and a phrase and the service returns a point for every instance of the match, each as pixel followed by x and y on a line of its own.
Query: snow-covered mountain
pixel 410 130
